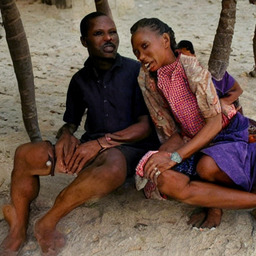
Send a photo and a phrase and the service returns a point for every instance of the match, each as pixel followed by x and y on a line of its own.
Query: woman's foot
pixel 206 218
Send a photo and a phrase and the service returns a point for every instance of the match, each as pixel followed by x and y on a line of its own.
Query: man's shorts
pixel 132 156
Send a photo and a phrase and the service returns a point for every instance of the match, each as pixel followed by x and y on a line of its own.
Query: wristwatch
pixel 175 157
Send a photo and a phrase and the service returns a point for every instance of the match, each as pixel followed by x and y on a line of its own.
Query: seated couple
pixel 198 162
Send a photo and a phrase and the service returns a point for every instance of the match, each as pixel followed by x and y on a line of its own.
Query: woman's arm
pixel 173 143
pixel 232 95
pixel 161 161
pixel 212 127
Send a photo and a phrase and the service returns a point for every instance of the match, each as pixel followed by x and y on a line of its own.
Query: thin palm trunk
pixel 103 6
pixel 60 4
pixel 254 47
pixel 19 51
pixel 219 58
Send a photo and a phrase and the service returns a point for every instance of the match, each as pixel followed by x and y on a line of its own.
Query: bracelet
pixel 101 147
pixel 175 157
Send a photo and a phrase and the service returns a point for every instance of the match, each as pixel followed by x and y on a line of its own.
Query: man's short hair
pixel 85 22
pixel 186 44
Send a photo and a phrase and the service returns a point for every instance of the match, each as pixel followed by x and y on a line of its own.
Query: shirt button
pixel 106 115
pixel 105 101
pixel 104 86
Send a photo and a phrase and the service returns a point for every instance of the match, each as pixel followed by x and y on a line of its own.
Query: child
pixel 228 90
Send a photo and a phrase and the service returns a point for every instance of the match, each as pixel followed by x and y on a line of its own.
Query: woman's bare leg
pixel 205 194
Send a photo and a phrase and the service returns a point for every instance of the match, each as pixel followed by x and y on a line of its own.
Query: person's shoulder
pixel 81 72
pixel 130 66
pixel 130 62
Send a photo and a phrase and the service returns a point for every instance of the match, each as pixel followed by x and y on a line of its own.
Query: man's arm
pixel 66 128
pixel 86 152
pixel 131 134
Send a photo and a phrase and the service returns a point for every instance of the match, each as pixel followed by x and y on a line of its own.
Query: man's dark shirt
pixel 113 100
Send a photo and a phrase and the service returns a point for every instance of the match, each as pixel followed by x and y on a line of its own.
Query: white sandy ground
pixel 123 223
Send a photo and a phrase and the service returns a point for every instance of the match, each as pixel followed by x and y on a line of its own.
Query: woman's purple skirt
pixel 233 154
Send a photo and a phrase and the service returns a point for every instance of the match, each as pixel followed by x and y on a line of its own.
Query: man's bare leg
pixel 24 188
pixel 105 174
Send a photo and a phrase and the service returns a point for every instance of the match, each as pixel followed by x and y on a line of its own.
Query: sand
pixel 124 222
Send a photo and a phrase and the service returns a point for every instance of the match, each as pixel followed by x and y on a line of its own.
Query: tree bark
pixel 103 6
pixel 60 4
pixel 254 48
pixel 219 58
pixel 20 54
pixel 254 38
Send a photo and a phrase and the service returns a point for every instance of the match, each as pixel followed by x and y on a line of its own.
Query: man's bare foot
pixel 17 233
pixel 206 218
pixel 50 240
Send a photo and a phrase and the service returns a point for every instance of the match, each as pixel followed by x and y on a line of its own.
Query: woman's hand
pixel 159 162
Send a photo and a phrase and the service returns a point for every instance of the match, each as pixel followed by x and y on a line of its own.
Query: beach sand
pixel 124 222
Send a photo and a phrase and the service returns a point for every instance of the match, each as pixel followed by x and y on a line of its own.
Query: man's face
pixel 102 40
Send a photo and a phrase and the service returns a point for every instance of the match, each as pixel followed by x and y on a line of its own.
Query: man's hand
pixel 82 155
pixel 64 150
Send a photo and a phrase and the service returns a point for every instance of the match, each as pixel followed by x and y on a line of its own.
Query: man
pixel 118 134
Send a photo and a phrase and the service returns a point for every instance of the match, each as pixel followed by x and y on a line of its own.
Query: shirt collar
pixel 167 69
pixel 118 62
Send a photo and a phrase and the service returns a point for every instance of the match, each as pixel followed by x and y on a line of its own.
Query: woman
pixel 197 148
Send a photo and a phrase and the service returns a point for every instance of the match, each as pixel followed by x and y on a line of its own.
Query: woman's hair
pixel 157 26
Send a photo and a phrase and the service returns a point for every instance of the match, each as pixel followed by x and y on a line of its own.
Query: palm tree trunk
pixel 103 6
pixel 219 58
pixel 60 4
pixel 19 51
pixel 254 47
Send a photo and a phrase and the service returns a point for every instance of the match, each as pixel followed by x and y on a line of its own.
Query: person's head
pixel 185 47
pixel 153 43
pixel 99 35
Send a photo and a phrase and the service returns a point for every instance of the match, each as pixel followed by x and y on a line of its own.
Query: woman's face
pixel 151 49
